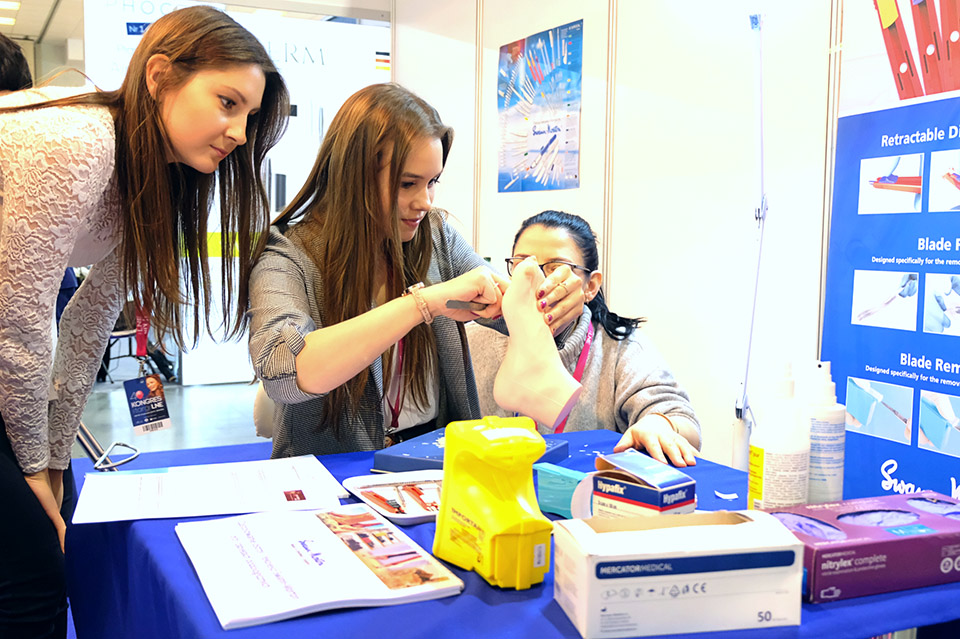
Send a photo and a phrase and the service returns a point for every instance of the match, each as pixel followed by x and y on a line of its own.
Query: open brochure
pixel 271 566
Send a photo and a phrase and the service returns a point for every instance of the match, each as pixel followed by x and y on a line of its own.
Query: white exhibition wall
pixel 439 63
pixel 686 181
pixel 673 200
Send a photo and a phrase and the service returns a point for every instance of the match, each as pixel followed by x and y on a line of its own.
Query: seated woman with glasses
pixel 627 386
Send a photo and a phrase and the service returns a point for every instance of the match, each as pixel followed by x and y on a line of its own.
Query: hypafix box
pixel 698 572
pixel 876 544
pixel 632 483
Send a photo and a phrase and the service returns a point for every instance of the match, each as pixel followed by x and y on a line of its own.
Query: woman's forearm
pixel 335 354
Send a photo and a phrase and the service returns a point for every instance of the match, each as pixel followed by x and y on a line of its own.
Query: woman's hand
pixel 655 434
pixel 46 493
pixel 479 285
pixel 560 298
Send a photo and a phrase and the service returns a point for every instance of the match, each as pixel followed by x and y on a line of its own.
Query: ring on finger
pixel 565 290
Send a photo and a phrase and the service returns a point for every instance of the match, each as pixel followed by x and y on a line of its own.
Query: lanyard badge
pixel 145 397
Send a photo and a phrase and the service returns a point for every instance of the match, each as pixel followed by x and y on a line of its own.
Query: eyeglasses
pixel 546 267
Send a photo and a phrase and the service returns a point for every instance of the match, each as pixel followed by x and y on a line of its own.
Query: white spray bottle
pixel 779 451
pixel 827 439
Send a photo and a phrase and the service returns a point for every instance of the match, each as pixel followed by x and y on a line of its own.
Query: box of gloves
pixel 872 545
pixel 640 576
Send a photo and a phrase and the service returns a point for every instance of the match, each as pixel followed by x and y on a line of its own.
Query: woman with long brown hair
pixel 124 180
pixel 350 330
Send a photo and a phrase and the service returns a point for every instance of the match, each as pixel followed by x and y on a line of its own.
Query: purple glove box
pixel 872 545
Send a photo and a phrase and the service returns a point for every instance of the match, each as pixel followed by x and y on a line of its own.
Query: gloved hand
pixel 935 318
pixel 943 407
pixel 908 284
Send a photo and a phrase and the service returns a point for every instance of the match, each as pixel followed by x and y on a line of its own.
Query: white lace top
pixel 58 208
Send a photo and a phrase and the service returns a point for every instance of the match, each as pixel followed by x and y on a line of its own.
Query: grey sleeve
pixel 279 318
pixel 645 385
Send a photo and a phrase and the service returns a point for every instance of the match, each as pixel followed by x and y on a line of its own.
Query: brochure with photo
pixel 266 567
pixel 406 498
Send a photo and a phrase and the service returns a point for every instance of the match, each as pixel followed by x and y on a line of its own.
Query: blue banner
pixel 892 305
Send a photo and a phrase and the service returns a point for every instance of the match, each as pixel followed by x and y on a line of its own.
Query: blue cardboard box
pixel 426 451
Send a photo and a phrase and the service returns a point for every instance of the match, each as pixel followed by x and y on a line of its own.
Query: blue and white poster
pixel 892 310
pixel 538 100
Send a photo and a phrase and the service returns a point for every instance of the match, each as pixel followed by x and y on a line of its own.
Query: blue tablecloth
pixel 133 579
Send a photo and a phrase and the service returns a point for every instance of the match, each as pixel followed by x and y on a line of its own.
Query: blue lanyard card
pixel 148 406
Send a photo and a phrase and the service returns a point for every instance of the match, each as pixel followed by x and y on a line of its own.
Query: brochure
pixel 407 498
pixel 265 567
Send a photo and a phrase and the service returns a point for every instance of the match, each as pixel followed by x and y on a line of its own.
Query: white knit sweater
pixel 58 208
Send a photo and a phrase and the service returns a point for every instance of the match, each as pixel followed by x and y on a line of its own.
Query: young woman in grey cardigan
pixel 350 330
pixel 627 386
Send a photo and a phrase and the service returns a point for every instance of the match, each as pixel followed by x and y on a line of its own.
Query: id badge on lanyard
pixel 145 397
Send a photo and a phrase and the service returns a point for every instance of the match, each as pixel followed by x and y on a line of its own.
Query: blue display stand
pixel 891 328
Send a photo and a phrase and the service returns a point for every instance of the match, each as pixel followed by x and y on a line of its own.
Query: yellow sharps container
pixel 489 520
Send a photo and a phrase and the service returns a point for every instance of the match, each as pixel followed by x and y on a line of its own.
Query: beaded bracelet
pixel 415 291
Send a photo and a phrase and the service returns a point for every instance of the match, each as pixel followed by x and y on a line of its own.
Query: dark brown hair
pixel 14 70
pixel 165 206
pixel 618 328
pixel 344 225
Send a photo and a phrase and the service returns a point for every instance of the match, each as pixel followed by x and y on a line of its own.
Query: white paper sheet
pixel 293 483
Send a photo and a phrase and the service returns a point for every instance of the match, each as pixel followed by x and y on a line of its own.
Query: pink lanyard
pixel 398 405
pixel 142 329
pixel 578 371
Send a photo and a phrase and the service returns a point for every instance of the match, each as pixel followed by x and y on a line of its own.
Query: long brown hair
pixel 165 206
pixel 344 226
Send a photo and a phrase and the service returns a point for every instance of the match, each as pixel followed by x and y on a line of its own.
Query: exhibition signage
pixel 892 306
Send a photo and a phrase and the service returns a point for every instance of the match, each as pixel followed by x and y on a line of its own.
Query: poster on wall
pixel 538 102
pixel 891 323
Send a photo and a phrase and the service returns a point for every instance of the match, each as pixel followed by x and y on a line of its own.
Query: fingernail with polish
pixel 543 304
pixel 540 294
pixel 549 318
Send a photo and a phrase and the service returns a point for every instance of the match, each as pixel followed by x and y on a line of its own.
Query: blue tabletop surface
pixel 133 578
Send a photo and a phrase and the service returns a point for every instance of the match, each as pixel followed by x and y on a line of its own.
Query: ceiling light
pixel 12 6
pixel 8 21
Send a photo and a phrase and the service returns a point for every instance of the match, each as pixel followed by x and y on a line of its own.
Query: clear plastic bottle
pixel 779 451
pixel 828 432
